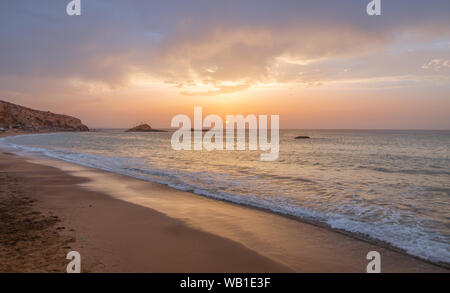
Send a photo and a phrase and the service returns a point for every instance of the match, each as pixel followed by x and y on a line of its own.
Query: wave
pixel 406 171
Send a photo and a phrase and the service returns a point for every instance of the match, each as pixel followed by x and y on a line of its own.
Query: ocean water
pixel 390 186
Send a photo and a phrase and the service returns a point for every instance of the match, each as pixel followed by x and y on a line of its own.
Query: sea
pixel 389 186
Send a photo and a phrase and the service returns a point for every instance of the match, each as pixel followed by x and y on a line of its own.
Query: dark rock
pixel 144 128
pixel 203 129
pixel 302 137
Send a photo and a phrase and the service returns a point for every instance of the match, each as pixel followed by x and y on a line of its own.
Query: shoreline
pixel 112 235
pixel 430 266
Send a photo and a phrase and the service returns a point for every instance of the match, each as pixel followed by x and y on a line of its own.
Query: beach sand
pixel 111 235
pixel 47 212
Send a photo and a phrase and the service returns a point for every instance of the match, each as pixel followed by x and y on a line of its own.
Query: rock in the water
pixel 144 128
pixel 302 137
pixel 203 130
pixel 13 116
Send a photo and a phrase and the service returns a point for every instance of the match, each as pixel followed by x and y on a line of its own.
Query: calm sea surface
pixel 392 186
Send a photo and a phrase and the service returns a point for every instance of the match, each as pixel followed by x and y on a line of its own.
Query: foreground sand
pixel 49 215
pixel 47 212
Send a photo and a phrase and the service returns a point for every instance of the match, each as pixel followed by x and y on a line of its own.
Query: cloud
pixel 221 46
pixel 437 64
pixel 249 55
pixel 225 89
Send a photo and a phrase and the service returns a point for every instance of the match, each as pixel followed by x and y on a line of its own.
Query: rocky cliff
pixel 17 117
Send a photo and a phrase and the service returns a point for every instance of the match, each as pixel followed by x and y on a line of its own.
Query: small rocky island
pixel 144 128
pixel 302 137
pixel 18 118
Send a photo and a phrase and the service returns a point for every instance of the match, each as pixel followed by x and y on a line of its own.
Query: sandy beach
pixel 47 212
pixel 52 216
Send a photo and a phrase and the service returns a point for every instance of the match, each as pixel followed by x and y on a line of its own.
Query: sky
pixel 316 63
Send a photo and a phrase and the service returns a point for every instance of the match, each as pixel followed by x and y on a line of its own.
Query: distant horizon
pixel 306 129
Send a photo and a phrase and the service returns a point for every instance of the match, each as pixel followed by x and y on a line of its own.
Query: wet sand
pixel 111 235
pixel 121 224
